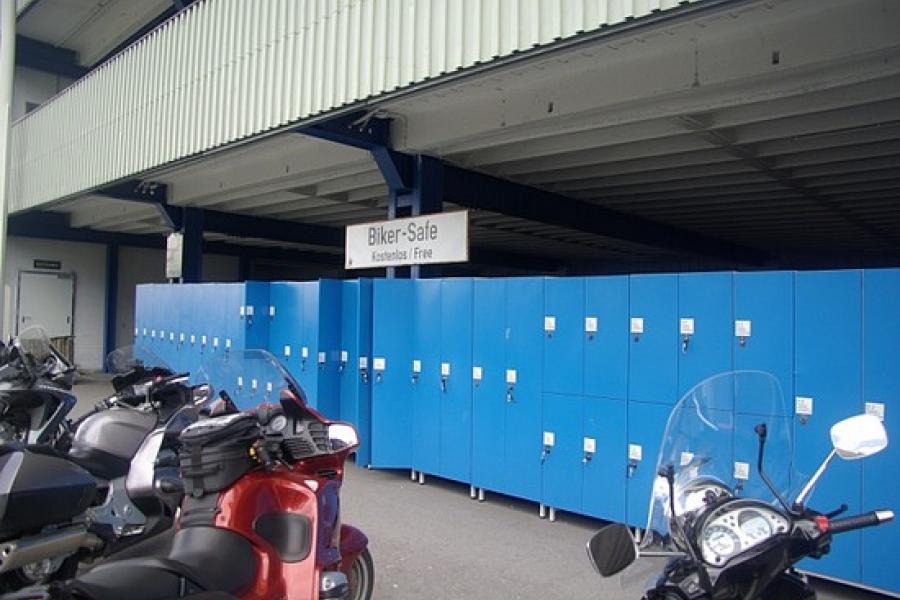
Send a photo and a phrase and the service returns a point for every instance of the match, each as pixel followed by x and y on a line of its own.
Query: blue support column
pixel 192 258
pixel 112 288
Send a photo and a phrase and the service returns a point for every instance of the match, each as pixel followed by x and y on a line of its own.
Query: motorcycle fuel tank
pixel 37 489
pixel 118 432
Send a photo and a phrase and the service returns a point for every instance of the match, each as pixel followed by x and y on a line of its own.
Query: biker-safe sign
pixel 423 240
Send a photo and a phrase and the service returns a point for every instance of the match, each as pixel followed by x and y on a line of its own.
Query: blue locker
pixel 524 360
pixel 828 370
pixel 653 354
pixel 646 424
pixel 605 429
pixel 217 316
pixel 563 335
pixel 305 338
pixel 356 335
pixel 764 309
pixel 456 379
pixel 328 347
pixel 562 472
pixel 425 384
pixel 606 337
pixel 704 327
pixel 881 377
pixel 392 305
pixel 285 298
pixel 489 391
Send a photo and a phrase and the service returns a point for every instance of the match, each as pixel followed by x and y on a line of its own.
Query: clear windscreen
pixel 249 377
pixel 127 358
pixel 34 342
pixel 711 444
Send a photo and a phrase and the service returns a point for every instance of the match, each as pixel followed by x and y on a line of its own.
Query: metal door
pixel 881 377
pixel 424 375
pixel 828 386
pixel 328 324
pixel 524 361
pixel 763 333
pixel 48 300
pixel 704 327
pixel 307 339
pixel 489 387
pixel 455 371
pixel 603 455
pixel 356 342
pixel 563 338
pixel 284 323
pixel 392 305
pixel 605 334
pixel 646 424
pixel 561 473
pixel 653 332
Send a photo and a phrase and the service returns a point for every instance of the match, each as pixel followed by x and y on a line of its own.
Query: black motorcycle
pixel 716 532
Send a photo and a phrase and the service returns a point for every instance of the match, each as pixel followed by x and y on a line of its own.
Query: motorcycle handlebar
pixel 876 517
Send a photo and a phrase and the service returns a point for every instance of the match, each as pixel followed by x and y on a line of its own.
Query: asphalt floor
pixel 433 541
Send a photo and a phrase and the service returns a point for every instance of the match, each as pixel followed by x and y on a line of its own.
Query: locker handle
pixel 632 467
pixel 509 394
pixel 685 342
pixel 587 457
pixel 364 375
pixel 545 452
pixel 444 385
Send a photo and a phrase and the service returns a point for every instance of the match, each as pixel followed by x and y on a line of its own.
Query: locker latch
pixel 741 475
pixel 304 356
pixel 445 375
pixel 364 369
pixel 477 375
pixel 686 328
pixel 416 371
pixel 742 329
pixel 511 377
pixel 549 442
pixel 343 363
pixel 590 447
pixel 549 325
pixel 637 328
pixel 379 364
pixel 321 359
pixel 590 327
pixel 635 454
pixel 803 408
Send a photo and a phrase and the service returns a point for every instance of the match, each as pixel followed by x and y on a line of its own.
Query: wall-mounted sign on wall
pixel 54 265
pixel 174 244
pixel 423 240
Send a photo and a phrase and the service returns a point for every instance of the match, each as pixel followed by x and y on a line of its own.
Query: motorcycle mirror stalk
pixel 762 432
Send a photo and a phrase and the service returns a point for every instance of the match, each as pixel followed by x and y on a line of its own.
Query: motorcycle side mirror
pixel 342 436
pixel 200 394
pixel 858 437
pixel 611 549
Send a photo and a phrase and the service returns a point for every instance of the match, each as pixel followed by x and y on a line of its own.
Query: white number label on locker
pixel 271 311
pixel 181 337
pixel 162 334
pixel 135 331
pixel 590 324
pixel 171 336
pixel 742 328
pixel 203 340
pixel 511 376
pixel 635 452
pixel 477 373
pixel 637 324
pixel 269 386
pixel 321 358
pixel 250 310
pixel 686 326
pixel 803 406
pixel 240 381
pixel 153 334
pixel 379 363
pixel 242 310
pixel 445 369
pixel 193 339
pixel 742 471
pixel 590 445
pixel 227 343
pixel 304 352
pixel 254 384
pixel 876 409
pixel 345 356
pixel 145 332
pixel 549 438
pixel 215 342
pixel 416 366
pixel 686 458
pixel 363 362
pixel 549 324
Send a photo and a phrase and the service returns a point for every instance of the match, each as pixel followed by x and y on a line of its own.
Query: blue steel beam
pixel 40 56
pixel 247 226
pixel 147 192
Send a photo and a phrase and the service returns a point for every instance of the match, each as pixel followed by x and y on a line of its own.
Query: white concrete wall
pixel 34 86
pixel 88 262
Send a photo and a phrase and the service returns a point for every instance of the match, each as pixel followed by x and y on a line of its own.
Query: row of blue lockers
pixel 557 390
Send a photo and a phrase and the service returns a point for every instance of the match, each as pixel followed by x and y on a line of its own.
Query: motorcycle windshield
pixel 35 342
pixel 127 358
pixel 711 444
pixel 249 377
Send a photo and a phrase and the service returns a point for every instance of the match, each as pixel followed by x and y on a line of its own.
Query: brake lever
pixel 838 511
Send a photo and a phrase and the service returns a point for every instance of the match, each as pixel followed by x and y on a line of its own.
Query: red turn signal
pixel 822 523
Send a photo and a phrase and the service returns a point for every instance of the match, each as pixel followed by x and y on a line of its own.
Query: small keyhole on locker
pixel 803 419
pixel 685 342
pixel 637 337
pixel 632 467
pixel 742 341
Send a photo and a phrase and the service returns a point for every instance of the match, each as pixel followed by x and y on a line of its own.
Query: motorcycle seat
pixel 202 558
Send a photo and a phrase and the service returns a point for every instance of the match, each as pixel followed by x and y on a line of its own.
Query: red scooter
pixel 261 515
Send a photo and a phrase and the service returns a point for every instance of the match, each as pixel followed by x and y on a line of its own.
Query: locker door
pixel 305 332
pixel 562 440
pixel 456 372
pixel 328 325
pixel 605 333
pixel 392 305
pixel 646 424
pixel 524 361
pixel 217 318
pixel 426 385
pixel 605 431
pixel 489 396
pixel 281 337
pixel 563 337
pixel 364 384
pixel 828 363
pixel 255 295
pixel 191 349
pixel 653 355
pixel 764 313
pixel 704 327
pixel 881 489
pixel 350 350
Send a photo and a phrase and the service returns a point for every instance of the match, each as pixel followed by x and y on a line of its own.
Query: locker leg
pixel 421 478
pixel 552 515
pixel 481 494
pixel 472 492
pixel 542 511
pixel 412 475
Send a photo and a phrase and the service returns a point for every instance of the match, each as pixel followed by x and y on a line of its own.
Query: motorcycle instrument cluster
pixel 737 527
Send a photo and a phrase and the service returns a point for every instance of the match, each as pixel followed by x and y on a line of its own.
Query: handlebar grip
pixel 876 517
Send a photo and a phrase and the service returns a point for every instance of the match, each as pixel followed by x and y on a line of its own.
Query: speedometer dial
pixel 755 526
pixel 721 541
